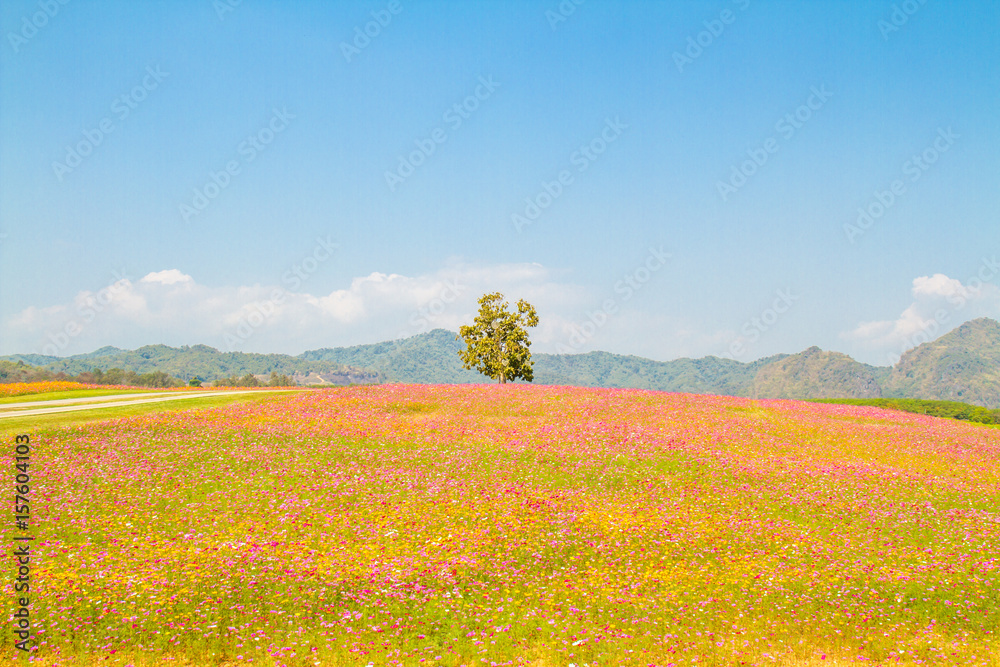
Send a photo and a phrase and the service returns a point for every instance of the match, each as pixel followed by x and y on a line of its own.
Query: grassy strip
pixel 947 409
pixel 34 423
pixel 75 393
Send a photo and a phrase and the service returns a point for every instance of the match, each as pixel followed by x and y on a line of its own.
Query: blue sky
pixel 652 244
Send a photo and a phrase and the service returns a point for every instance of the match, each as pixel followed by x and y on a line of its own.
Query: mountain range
pixel 962 365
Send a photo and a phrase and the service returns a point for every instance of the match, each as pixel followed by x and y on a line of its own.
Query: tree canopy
pixel 497 343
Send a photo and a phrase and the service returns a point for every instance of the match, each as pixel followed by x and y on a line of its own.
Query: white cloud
pixel 168 277
pixel 170 307
pixel 939 305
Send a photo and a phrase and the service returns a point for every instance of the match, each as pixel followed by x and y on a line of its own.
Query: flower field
pixel 517 525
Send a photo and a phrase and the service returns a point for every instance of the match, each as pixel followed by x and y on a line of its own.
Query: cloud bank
pixel 171 307
pixel 939 305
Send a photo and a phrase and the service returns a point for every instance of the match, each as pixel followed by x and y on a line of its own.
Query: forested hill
pixel 199 361
pixel 963 365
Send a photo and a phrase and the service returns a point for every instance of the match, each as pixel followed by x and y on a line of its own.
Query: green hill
pixel 962 365
pixel 710 375
pixel 428 358
pixel 949 409
pixel 432 358
pixel 200 361
pixel 816 374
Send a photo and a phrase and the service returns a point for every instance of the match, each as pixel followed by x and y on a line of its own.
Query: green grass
pixel 947 409
pixel 34 423
pixel 73 393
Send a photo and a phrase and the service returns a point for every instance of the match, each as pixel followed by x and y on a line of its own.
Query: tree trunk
pixel 503 370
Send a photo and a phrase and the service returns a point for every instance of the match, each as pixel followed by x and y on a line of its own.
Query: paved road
pixel 110 402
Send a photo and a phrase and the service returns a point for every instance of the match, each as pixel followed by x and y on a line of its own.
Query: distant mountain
pixel 432 358
pixel 963 365
pixel 428 358
pixel 710 375
pixel 817 374
pixel 200 361
pixel 965 360
pixel 44 360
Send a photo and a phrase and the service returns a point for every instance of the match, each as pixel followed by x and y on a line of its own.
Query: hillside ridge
pixel 962 365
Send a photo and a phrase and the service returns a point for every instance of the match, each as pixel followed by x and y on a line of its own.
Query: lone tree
pixel 497 344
